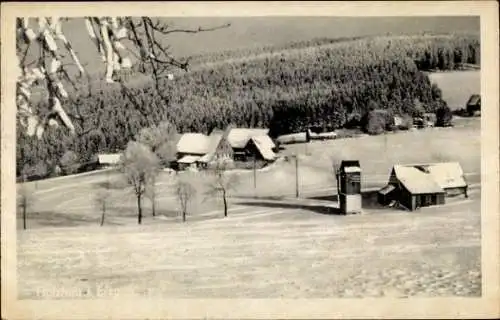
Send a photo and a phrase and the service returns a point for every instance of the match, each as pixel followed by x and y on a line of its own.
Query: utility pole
pixel 296 176
pixel 254 175
pixel 24 200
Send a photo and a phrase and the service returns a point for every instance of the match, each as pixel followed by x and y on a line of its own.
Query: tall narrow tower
pixel 349 186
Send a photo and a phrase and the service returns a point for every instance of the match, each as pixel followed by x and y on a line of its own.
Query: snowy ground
pixel 271 249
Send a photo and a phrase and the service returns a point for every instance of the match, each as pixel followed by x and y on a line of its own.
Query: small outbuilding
pixel 473 104
pixel 349 187
pixel 108 160
pixel 300 137
pixel 398 121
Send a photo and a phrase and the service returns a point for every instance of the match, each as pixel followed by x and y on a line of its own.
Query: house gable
pixel 224 149
pixel 251 149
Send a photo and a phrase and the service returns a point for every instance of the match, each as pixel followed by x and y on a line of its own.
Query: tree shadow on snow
pixel 369 199
pixel 258 197
pixel 321 209
pixel 56 219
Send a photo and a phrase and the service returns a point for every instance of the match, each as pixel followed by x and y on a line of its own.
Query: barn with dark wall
pixel 411 188
pixel 248 143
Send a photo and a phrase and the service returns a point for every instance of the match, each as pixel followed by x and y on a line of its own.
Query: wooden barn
pixel 412 188
pixel 473 104
pixel 261 147
pixel 248 143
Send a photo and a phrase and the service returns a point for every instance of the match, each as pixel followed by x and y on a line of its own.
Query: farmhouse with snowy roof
pixel 415 186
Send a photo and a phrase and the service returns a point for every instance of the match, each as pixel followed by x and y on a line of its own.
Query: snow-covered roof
pixel 194 143
pixel 447 174
pixel 398 120
pixel 352 169
pixel 292 137
pixel 387 189
pixel 265 146
pixel 415 180
pixel 188 159
pixel 238 137
pixel 110 158
pixel 214 139
pixel 474 99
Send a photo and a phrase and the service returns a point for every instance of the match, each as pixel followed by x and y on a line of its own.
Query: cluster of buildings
pixel 409 186
pixel 198 151
pixel 238 145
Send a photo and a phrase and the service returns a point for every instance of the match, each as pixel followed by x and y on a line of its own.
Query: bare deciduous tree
pixel 185 191
pixel 139 165
pixel 221 182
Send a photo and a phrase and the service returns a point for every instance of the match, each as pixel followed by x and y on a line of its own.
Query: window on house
pixel 428 200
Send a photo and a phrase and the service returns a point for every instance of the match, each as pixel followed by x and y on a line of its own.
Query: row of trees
pixel 323 85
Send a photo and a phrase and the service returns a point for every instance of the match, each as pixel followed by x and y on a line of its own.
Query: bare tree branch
pixel 106 34
pixel 163 29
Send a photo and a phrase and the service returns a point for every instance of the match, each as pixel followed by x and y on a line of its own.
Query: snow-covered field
pixel 268 246
pixel 457 86
pixel 284 248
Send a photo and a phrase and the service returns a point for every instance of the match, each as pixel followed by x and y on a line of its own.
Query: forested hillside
pixel 324 83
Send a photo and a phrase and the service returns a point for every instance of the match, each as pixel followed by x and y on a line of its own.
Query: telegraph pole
pixel 24 200
pixel 254 175
pixel 296 176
